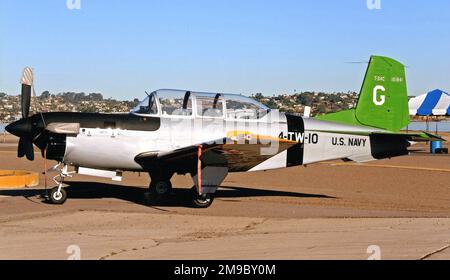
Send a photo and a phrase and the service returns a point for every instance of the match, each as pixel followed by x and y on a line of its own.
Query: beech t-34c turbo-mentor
pixel 208 135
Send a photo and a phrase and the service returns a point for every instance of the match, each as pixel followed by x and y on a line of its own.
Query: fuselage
pixel 112 141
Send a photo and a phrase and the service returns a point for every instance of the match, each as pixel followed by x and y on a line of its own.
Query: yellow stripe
pixel 236 133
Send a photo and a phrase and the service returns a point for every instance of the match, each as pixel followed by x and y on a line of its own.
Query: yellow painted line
pixel 389 166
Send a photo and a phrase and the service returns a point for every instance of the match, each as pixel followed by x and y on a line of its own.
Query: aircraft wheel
pixel 161 188
pixel 201 201
pixel 57 198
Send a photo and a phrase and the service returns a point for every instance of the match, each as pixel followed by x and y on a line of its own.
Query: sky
pixel 124 48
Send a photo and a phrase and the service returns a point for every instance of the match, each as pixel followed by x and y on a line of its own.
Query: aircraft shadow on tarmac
pixel 181 197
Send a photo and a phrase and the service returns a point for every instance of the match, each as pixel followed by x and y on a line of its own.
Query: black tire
pixel 201 201
pixel 53 197
pixel 161 189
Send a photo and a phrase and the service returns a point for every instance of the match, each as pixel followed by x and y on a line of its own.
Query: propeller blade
pixel 25 148
pixel 27 82
pixel 25 100
pixel 21 149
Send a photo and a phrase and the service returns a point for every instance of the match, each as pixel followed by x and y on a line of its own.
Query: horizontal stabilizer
pixel 414 137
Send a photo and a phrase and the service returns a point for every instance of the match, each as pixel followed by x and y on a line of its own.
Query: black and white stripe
pixel 294 157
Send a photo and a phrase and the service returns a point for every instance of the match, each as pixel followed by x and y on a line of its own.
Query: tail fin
pixel 383 100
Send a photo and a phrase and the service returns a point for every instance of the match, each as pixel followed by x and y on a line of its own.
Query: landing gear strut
pixel 58 195
pixel 207 178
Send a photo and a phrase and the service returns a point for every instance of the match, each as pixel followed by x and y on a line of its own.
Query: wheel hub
pixel 203 198
pixel 57 195
pixel 162 188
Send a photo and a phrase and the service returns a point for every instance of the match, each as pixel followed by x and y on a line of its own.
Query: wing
pixel 240 151
pixel 149 159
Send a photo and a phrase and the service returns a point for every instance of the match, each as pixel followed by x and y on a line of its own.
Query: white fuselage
pixel 116 149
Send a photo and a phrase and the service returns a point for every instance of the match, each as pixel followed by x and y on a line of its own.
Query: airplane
pixel 208 135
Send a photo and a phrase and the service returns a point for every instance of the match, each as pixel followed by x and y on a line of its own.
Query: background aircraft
pixel 210 134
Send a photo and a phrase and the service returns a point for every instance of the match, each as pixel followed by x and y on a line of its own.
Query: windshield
pixel 148 106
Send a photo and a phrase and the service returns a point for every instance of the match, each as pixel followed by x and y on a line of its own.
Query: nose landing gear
pixel 58 195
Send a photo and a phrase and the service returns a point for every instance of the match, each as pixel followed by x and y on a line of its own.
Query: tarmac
pixel 390 209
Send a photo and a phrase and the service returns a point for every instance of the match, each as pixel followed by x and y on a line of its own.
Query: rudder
pixel 383 101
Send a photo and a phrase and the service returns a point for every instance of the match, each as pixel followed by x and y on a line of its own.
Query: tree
pixel 306 98
pixel 95 97
pixel 258 96
pixel 321 109
pixel 79 96
pixel 271 104
pixel 45 95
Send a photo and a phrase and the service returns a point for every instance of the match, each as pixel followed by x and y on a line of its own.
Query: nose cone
pixel 20 128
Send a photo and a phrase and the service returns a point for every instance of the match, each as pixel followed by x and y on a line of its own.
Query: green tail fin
pixel 383 100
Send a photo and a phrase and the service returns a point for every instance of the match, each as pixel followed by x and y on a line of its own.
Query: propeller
pixel 23 128
pixel 25 142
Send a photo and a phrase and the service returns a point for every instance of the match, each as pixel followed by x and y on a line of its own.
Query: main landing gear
pixel 201 201
pixel 208 172
pixel 58 195
pixel 162 191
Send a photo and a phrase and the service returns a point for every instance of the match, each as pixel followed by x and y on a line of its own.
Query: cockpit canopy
pixel 180 103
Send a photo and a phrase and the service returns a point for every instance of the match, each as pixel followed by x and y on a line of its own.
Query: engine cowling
pixel 56 146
